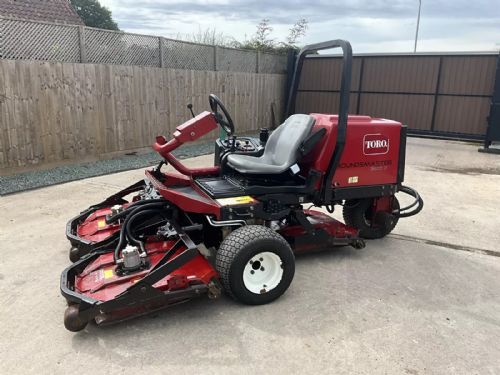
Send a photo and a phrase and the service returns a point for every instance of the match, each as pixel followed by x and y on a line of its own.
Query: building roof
pixel 59 11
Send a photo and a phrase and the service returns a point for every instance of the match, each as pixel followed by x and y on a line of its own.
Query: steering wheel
pixel 223 119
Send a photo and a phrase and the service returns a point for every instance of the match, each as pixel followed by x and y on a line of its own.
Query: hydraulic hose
pixel 419 202
pixel 129 231
pixel 131 207
pixel 123 230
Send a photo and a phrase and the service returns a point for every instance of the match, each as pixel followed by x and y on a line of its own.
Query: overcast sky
pixel 370 25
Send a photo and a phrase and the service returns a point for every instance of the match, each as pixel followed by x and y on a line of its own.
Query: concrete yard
pixel 424 300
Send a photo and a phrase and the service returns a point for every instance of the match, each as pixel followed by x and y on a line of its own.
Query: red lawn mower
pixel 235 226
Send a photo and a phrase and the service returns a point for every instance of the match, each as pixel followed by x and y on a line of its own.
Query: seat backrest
pixel 282 147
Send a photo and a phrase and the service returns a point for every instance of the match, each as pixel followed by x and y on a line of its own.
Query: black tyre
pixel 72 319
pixel 359 214
pixel 256 265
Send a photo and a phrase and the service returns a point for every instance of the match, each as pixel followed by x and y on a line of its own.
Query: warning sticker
pixel 101 224
pixel 244 199
pixel 108 274
pixel 353 180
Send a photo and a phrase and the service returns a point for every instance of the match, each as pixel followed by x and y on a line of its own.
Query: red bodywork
pixel 191 130
pixel 320 221
pixel 185 194
pixel 100 282
pixel 95 229
pixel 370 156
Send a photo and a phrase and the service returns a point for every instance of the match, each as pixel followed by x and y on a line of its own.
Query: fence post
pixel 216 57
pixel 360 85
pixel 257 65
pixel 493 119
pixel 160 49
pixel 436 94
pixel 83 48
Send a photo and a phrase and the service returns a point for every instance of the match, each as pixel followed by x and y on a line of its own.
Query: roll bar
pixel 345 89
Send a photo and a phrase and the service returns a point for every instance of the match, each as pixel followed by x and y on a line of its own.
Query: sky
pixel 370 25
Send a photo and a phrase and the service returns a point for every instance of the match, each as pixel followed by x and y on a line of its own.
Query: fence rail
pixel 36 40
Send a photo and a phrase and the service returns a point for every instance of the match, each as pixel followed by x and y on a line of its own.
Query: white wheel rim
pixel 263 272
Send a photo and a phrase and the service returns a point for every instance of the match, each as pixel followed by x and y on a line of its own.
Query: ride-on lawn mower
pixel 235 226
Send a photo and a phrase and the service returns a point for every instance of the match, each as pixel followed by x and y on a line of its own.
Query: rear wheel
pixel 361 214
pixel 256 265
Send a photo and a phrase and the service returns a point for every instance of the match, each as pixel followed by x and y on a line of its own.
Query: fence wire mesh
pixel 109 47
pixel 35 40
pixel 236 60
pixel 38 41
pixel 272 63
pixel 182 55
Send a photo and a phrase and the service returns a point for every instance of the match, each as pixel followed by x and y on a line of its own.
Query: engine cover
pixel 371 153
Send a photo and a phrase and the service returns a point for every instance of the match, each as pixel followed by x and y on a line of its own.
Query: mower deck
pixel 175 272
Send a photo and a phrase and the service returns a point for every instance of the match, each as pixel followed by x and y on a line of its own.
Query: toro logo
pixel 375 144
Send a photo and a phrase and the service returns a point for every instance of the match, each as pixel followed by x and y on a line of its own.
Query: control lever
pixel 190 107
pixel 233 143
pixel 263 136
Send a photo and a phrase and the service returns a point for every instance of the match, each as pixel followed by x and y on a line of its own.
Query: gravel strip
pixel 58 175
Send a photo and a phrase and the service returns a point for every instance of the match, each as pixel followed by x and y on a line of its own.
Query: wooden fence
pixel 52 112
pixel 435 94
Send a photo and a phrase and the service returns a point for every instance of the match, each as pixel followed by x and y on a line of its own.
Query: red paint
pixel 370 154
pixel 383 204
pixel 189 200
pixel 99 281
pixel 94 227
pixel 319 220
pixel 191 172
pixel 191 130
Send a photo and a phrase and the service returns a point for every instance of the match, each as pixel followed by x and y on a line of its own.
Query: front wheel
pixel 373 219
pixel 256 265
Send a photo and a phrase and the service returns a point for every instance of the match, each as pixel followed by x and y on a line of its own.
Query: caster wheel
pixel 74 254
pixel 72 320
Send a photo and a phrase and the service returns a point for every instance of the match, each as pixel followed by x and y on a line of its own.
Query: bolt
pixel 262 268
pixel 261 259
pixel 252 272
pixel 251 262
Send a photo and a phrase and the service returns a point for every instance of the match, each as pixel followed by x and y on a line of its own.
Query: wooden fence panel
pixel 52 112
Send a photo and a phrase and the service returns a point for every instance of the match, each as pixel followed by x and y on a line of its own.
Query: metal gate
pixel 438 95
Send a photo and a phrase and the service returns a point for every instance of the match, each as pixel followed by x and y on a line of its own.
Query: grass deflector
pixel 235 226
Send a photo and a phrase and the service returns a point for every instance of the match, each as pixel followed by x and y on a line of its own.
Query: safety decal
pixel 244 199
pixel 108 274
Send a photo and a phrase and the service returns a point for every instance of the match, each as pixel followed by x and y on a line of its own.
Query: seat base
pixel 220 187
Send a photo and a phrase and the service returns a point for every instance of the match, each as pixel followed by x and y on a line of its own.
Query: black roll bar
pixel 345 89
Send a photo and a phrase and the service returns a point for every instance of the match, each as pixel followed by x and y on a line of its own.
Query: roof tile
pixel 59 11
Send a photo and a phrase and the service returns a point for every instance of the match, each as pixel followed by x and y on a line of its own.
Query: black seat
pixel 281 151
